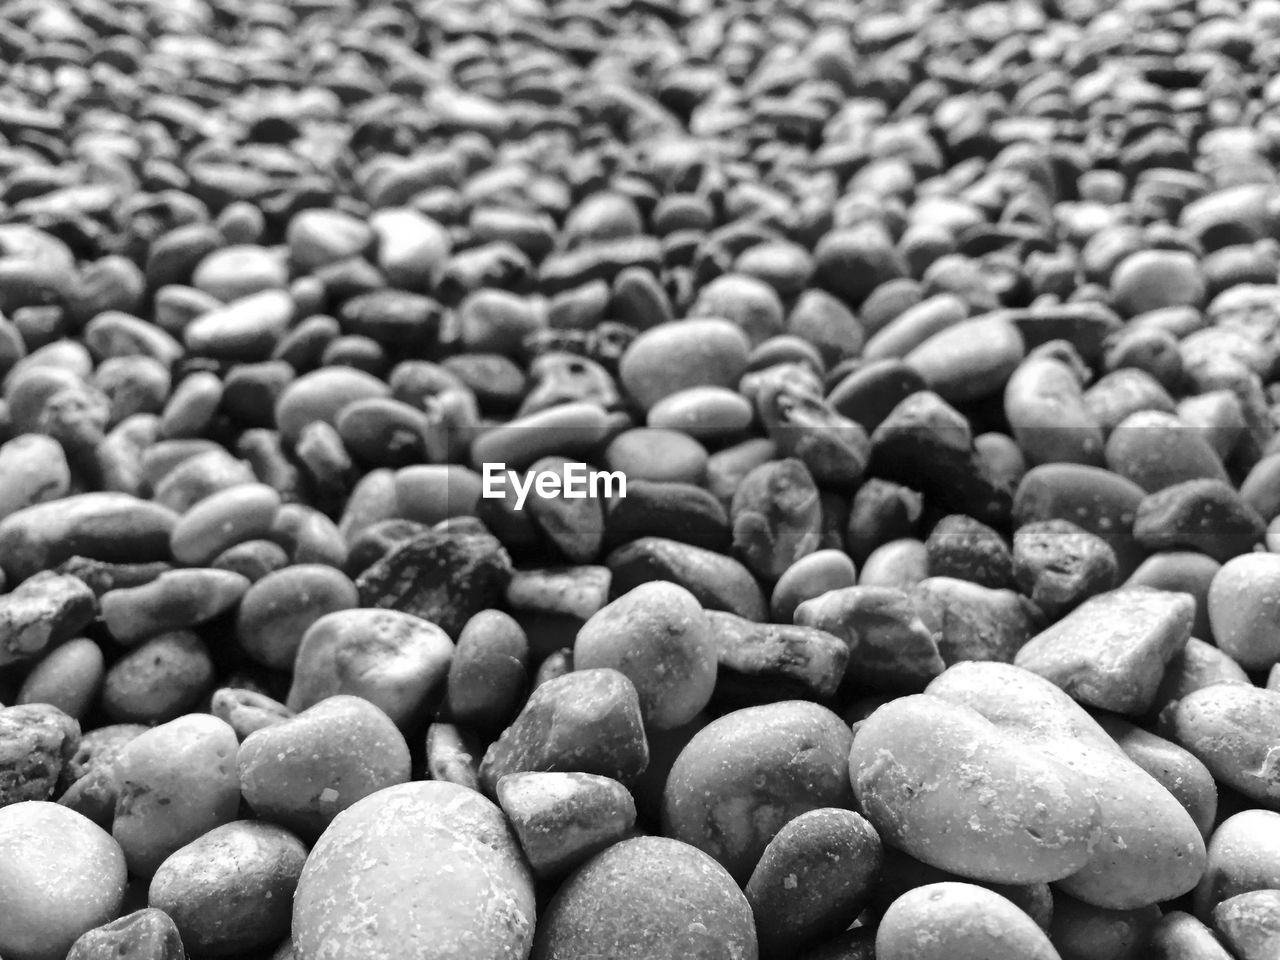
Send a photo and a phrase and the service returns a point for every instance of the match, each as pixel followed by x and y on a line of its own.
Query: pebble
pixel 114 527
pixel 813 879
pixel 1244 609
pixel 1060 565
pixel 40 840
pixel 657 636
pixel 775 515
pixel 564 819
pixel 969 360
pixel 718 582
pixel 442 577
pixel 1111 651
pixel 1250 924
pixel 962 547
pixel 704 413
pixel 1203 515
pixel 230 891
pixel 277 610
pixel 36 741
pixel 1181 571
pixel 41 612
pixel 374 881
pixel 159 680
pixel 766 662
pixel 810 576
pixel 147 934
pixel 1179 934
pixel 618 904
pixel 175 600
pixel 35 470
pixel 956 920
pixel 890 647
pixel 68 678
pixel 223 520
pixel 657 455
pixel 489 671
pixel 1230 728
pixel 1101 502
pixel 246 711
pixel 587 721
pixel 1156 450
pixel 746 775
pixel 972 622
pixel 162 805
pixel 676 511
pixel 671 357
pixel 1243 857
pixel 395 660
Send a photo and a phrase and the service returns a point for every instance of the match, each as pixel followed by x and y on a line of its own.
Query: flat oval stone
pixel 703 413
pixel 114 527
pixel 223 520
pixel 318 237
pixel 810 576
pixel 565 430
pixel 970 360
pixel 687 353
pixel 173 601
pixel 246 329
pixel 677 511
pixel 321 396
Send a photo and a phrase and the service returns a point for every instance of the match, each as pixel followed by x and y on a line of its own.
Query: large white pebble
pixel 428 870
pixel 60 875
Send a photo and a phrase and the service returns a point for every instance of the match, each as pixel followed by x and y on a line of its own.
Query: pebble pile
pixel 937 345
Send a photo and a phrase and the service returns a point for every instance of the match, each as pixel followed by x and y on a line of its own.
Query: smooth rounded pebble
pixel 744 776
pixel 177 782
pixel 304 770
pixel 1244 609
pixel 60 876
pixel 959 921
pixel 657 636
pixel 428 869
pixel 646 898
pixel 230 891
